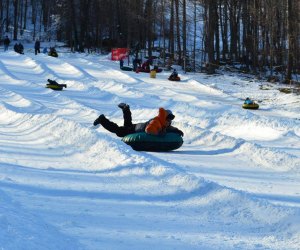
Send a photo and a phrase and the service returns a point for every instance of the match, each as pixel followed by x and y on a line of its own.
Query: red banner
pixel 119 53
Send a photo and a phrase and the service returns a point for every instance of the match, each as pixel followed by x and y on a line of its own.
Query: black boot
pixel 113 127
pixel 123 106
pixel 98 120
pixel 126 114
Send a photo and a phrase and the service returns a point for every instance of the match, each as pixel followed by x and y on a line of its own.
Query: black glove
pixel 180 133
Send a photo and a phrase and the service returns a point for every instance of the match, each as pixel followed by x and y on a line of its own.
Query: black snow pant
pixel 121 131
pixel 37 51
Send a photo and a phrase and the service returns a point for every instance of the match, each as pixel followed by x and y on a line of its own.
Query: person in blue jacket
pixel 248 101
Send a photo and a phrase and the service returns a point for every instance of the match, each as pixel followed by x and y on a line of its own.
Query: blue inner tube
pixel 144 142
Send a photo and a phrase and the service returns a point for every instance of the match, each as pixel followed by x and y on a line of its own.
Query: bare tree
pixel 178 37
pixel 184 23
pixel 16 6
pixel 7 16
pixel 171 32
pixel 290 38
pixel 210 35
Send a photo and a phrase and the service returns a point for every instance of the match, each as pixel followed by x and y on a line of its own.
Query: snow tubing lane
pixel 251 106
pixel 145 142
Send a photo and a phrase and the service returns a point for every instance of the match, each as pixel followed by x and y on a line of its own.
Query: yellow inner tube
pixel 251 106
pixel 54 86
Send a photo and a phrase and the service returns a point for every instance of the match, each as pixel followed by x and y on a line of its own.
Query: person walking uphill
pixel 37 46
pixel 6 43
pixel 159 125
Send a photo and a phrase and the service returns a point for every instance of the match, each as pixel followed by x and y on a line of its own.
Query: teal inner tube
pixel 125 68
pixel 144 142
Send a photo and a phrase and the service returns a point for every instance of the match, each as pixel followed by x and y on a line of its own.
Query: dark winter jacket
pixel 158 123
pixel 37 45
pixel 6 41
pixel 140 127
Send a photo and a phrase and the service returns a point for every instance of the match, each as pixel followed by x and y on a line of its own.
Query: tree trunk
pixel 74 24
pixel 211 37
pixel 179 52
pixel 171 36
pixel 25 14
pixel 16 5
pixel 184 34
pixel 1 13
pixel 195 35
pixel 223 16
pixel 163 28
pixel 217 35
pixel 149 25
pixel 290 38
pixel 234 19
pixel 84 20
pixel 7 16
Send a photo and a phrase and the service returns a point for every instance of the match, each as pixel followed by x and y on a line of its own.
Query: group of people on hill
pixel 138 66
pixel 19 48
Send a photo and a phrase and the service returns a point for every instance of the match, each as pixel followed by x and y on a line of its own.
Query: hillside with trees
pixel 260 35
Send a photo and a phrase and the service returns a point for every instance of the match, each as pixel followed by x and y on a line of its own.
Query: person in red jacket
pixel 159 125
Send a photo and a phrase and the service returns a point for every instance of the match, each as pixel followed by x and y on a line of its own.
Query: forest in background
pixel 260 35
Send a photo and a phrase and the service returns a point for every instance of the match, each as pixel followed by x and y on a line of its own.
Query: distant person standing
pixel 121 63
pixel 135 64
pixel 37 46
pixel 6 43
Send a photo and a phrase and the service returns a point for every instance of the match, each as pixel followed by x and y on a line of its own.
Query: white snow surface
pixel 65 184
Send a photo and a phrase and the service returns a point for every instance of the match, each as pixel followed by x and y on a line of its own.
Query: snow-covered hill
pixel 65 184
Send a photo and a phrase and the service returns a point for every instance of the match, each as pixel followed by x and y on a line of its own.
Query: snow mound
pixel 119 89
pixel 269 157
pixel 250 127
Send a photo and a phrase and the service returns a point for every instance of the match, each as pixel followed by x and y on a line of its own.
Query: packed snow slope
pixel 65 184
